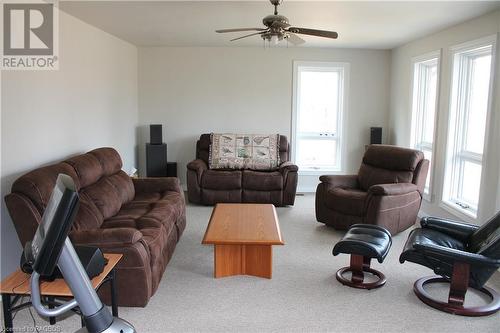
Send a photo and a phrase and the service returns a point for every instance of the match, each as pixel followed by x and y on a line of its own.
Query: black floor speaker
pixel 156 160
pixel 155 134
pixel 171 169
pixel 375 135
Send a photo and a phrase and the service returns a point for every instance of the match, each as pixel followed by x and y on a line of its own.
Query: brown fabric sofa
pixel 141 218
pixel 209 187
pixel 387 191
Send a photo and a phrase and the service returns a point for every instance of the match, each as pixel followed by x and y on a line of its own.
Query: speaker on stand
pixel 156 153
pixel 375 135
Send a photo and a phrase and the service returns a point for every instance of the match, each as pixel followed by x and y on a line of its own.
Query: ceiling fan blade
pixel 255 33
pixel 239 29
pixel 294 39
pixel 313 32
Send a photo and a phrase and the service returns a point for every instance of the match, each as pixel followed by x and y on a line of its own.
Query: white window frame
pixel 417 118
pixel 344 69
pixel 454 143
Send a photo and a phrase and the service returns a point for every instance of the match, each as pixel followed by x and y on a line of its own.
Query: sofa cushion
pixel 212 197
pixel 109 159
pixel 254 196
pixel 369 175
pixel 38 184
pixel 156 240
pixel 124 186
pixel 392 157
pixel 105 196
pixel 165 209
pixel 221 180
pixel 262 181
pixel 87 167
pixel 174 201
pixel 346 201
pixel 89 216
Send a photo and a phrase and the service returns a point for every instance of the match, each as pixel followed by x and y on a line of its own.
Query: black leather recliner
pixel 463 254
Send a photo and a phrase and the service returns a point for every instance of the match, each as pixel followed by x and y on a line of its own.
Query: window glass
pixel 467 128
pixel 425 81
pixel 319 103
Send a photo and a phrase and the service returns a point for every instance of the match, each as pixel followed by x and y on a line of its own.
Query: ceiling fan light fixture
pixel 278 28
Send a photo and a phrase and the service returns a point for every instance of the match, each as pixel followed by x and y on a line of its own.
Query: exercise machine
pixel 51 247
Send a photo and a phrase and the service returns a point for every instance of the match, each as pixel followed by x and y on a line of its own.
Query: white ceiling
pixel 373 24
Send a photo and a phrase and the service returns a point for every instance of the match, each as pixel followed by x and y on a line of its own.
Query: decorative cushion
pixel 244 151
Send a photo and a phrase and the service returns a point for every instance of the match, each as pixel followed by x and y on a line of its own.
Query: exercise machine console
pixel 51 247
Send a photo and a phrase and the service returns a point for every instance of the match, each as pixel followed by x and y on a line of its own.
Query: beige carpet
pixel 302 296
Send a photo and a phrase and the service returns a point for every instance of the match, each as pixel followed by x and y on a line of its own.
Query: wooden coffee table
pixel 243 236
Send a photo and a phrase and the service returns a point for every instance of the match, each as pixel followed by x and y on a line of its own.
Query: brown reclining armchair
pixel 387 191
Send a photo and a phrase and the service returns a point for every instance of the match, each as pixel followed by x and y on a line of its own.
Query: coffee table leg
pixel 258 260
pixel 7 313
pixel 253 260
pixel 227 260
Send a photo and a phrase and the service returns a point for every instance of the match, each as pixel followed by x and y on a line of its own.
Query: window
pixel 319 103
pixel 424 102
pixel 467 126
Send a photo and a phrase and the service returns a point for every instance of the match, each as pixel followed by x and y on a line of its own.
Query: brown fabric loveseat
pixel 387 191
pixel 141 218
pixel 209 187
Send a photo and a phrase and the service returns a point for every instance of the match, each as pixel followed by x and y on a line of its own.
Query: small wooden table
pixel 18 284
pixel 243 235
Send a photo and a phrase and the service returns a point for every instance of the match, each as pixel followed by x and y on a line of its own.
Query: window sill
pixel 463 214
pixel 318 172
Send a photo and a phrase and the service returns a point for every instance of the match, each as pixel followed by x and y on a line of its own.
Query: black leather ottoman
pixel 363 242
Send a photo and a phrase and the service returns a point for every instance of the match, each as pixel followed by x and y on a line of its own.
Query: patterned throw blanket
pixel 244 151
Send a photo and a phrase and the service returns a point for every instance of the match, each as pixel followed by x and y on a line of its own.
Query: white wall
pixel 400 115
pixel 90 102
pixel 201 90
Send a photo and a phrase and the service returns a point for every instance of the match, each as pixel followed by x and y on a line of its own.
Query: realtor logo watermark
pixel 30 35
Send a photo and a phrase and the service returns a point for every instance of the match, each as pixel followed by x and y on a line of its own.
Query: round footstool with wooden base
pixel 363 242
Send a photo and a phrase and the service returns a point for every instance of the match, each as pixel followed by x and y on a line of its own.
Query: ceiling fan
pixel 278 28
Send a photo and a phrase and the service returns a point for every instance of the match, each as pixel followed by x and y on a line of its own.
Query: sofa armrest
pixel 447 254
pixel 287 167
pixel 392 189
pixel 199 166
pixel 459 230
pixel 345 181
pixel 106 237
pixel 161 184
